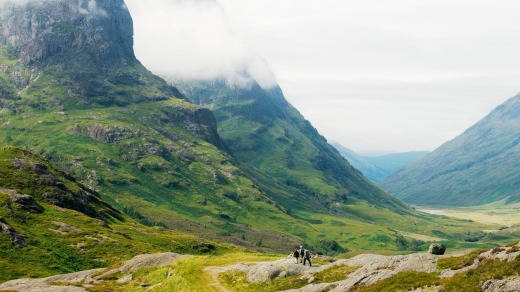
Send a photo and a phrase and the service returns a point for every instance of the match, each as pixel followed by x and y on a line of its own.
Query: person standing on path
pixel 296 255
pixel 307 257
pixel 302 251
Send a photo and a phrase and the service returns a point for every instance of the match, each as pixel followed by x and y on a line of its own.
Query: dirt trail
pixel 214 272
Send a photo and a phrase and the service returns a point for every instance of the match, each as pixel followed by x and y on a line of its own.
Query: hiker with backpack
pixel 307 257
pixel 302 251
pixel 296 255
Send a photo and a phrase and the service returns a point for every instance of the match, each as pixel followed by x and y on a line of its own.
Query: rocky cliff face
pixel 100 30
pixel 85 46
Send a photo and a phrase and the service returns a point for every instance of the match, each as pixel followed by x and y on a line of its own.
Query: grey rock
pixel 40 30
pixel 505 285
pixel 268 271
pixel 437 249
pixel 110 134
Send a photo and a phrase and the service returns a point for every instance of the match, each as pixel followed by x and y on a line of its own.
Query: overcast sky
pixel 377 76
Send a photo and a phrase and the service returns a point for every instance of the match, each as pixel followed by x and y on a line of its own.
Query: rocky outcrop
pixel 500 253
pixel 16 238
pixel 80 281
pixel 200 122
pixel 110 134
pixel 41 29
pixel 144 261
pixel 505 285
pixel 26 203
pixel 268 271
pixel 49 184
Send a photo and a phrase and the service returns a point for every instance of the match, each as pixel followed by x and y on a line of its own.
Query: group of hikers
pixel 302 255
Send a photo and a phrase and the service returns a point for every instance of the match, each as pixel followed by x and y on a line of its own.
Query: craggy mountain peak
pixel 84 46
pixel 41 29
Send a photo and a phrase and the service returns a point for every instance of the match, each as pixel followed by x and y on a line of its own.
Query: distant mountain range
pixel 478 167
pixel 377 168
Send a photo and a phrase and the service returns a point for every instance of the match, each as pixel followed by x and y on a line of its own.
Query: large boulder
pixel 437 249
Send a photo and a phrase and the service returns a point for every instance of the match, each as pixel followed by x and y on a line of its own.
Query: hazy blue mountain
pixel 377 168
pixel 477 167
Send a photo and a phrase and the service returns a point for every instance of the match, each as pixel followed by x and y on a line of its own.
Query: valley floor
pixel 493 214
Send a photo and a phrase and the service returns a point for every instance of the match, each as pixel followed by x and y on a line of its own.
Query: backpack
pixel 307 254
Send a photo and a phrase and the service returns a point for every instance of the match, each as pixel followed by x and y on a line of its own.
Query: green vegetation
pixel 456 263
pixel 185 275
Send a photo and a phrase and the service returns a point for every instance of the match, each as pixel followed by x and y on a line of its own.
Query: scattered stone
pixel 437 249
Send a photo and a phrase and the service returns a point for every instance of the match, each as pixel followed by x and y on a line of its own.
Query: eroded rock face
pixel 86 46
pixel 110 134
pixel 26 202
pixel 40 29
pixel 52 190
pixel 16 238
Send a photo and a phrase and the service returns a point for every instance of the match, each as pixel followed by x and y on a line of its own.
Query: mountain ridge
pixel 377 168
pixel 476 167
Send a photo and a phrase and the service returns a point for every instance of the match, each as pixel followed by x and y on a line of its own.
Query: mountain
pixel 253 173
pixel 50 223
pixel 478 167
pixel 377 168
pixel 73 91
pixel 270 137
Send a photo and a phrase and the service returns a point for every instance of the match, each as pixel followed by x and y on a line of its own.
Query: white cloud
pixel 91 8
pixel 381 75
pixel 191 39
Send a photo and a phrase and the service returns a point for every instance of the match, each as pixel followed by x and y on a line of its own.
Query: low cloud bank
pixel 191 39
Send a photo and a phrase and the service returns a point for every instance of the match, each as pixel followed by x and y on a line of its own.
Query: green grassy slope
pixel 60 239
pixel 478 167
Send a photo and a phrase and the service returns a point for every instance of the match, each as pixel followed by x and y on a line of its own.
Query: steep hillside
pixel 271 138
pixel 377 168
pixel 50 223
pixel 478 167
